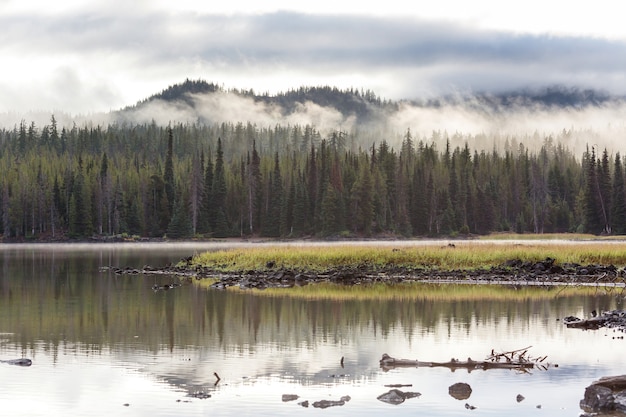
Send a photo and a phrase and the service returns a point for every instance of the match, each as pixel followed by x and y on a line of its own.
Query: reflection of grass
pixel 422 291
pixel 464 255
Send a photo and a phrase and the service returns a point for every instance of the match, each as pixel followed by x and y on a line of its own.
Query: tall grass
pixel 465 255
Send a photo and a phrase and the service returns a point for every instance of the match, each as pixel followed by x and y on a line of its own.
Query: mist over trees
pixel 202 179
pixel 226 180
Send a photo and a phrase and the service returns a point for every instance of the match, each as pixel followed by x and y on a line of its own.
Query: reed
pixel 462 255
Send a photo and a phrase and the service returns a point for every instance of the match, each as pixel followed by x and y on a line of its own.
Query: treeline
pixel 359 103
pixel 241 180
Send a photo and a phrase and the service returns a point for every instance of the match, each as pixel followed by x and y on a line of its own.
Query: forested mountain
pixel 245 179
pixel 366 105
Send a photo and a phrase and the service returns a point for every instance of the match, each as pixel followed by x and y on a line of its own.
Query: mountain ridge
pixel 360 102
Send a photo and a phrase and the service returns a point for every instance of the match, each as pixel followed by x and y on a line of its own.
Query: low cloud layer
pixel 482 125
pixel 90 61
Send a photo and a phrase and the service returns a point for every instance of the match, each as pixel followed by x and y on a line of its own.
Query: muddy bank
pixel 513 272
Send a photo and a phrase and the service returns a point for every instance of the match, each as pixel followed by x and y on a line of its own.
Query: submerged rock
pixel 331 403
pixel 18 362
pixel 395 396
pixel 460 391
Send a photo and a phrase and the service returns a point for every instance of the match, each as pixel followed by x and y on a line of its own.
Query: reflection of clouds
pixel 263 347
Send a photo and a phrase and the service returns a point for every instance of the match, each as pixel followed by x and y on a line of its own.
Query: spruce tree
pixel 219 224
pixel 168 175
pixel 593 207
pixel 180 226
pixel 618 202
pixel 329 210
pixel 255 196
pixel 362 206
pixel 271 225
pixel 207 211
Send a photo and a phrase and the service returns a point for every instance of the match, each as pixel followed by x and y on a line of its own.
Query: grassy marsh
pixel 460 255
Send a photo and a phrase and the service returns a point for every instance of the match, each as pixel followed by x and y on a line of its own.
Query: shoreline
pixel 514 272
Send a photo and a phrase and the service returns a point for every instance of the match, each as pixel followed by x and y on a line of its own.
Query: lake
pixel 105 344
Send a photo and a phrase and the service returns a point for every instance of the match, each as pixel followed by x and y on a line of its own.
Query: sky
pixel 88 56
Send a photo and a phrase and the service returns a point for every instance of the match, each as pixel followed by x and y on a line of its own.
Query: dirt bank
pixel 512 272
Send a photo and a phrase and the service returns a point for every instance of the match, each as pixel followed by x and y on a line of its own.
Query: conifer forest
pixel 217 180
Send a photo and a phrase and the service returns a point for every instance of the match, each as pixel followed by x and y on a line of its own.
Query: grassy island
pixel 456 255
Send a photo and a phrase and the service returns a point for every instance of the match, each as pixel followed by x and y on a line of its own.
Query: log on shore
pixel 593 323
pixel 387 363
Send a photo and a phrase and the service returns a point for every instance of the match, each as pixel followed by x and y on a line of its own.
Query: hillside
pixel 366 104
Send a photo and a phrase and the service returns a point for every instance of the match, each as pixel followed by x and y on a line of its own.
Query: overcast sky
pixel 83 56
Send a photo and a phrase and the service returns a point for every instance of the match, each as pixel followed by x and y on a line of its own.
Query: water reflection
pixel 99 338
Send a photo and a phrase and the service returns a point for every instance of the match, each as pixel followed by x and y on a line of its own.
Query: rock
pixel 470 407
pixel 304 404
pixel 289 397
pixel 19 362
pixel 395 396
pixel 201 395
pixel 328 403
pixel 606 394
pixel 520 398
pixel 460 391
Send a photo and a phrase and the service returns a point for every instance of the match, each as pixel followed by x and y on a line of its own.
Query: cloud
pixel 112 57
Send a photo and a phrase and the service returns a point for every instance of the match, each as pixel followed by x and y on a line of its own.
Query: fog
pixel 483 126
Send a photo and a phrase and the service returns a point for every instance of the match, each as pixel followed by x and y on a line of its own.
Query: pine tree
pixel 207 211
pixel 271 225
pixel 299 225
pixel 219 224
pixel 329 209
pixel 168 175
pixel 180 226
pixel 604 189
pixel 80 218
pixel 593 207
pixel 362 207
pixel 287 210
pixel 618 202
pixel 254 197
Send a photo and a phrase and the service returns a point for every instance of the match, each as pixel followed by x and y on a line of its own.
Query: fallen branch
pixel 514 359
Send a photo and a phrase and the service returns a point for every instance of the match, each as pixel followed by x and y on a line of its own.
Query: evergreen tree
pixel 299 225
pixel 287 210
pixel 594 222
pixel 168 175
pixel 80 218
pixel 362 207
pixel 219 224
pixel 604 190
pixel 329 209
pixel 271 225
pixel 254 191
pixel 180 226
pixel 207 211
pixel 618 202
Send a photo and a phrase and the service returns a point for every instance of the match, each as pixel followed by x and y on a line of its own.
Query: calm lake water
pixel 108 345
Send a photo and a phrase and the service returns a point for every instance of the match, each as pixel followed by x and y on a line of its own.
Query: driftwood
pixel 515 359
pixel 614 319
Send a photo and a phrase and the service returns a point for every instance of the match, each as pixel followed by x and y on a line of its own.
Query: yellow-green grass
pixel 464 255
pixel 417 291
